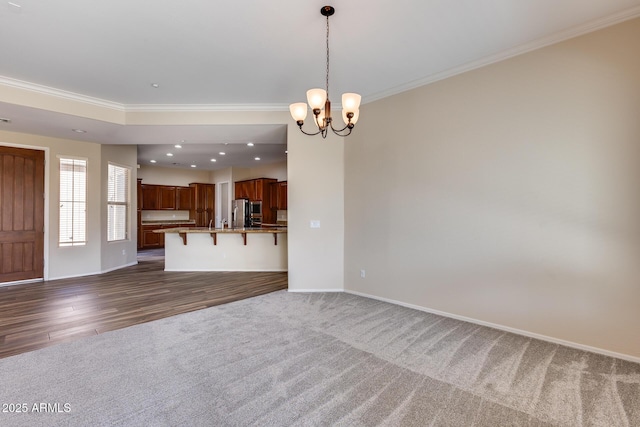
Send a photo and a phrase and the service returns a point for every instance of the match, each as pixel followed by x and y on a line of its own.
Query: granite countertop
pixel 220 230
pixel 168 221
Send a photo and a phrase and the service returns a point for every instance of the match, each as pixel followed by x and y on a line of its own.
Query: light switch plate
pixel 314 223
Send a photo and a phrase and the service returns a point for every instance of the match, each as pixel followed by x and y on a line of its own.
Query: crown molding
pixel 579 30
pixel 155 108
pixel 558 37
pixel 125 108
pixel 61 94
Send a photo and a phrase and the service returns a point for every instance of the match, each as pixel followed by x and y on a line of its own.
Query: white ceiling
pixel 239 55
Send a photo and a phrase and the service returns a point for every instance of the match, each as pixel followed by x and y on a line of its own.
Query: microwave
pixel 255 208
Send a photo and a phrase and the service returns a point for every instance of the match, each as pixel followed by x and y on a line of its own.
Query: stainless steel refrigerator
pixel 241 213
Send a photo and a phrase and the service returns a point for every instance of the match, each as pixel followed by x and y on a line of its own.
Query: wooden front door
pixel 21 214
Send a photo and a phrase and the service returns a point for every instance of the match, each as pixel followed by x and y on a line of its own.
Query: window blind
pixel 118 203
pixel 73 202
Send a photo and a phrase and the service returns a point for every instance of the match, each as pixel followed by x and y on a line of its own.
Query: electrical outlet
pixel 124 252
pixel 362 273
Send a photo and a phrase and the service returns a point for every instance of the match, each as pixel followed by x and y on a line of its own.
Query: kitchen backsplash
pixel 164 215
pixel 281 215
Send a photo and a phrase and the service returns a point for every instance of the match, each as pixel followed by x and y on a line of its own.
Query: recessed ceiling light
pixel 155 85
pixel 178 146
pixel 213 160
pixel 152 161
pixel 257 158
pixel 286 151
pixel 5 120
pixel 170 154
pixel 193 166
pixel 222 153
pixel 250 144
pixel 79 130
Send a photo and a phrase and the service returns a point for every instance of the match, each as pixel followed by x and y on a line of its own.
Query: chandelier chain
pixel 327 81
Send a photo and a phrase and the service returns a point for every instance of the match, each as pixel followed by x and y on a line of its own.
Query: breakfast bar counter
pixel 238 249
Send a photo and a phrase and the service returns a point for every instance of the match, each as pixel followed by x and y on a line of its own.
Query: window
pixel 118 203
pixel 73 202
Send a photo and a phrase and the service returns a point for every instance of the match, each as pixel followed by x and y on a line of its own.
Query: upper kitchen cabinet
pixel 165 197
pixel 185 198
pixel 203 208
pixel 245 189
pixel 282 195
pixel 278 196
pixel 149 196
pixel 256 190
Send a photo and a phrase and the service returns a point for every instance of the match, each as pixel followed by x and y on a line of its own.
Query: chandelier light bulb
pixel 316 98
pixel 351 102
pixel 298 111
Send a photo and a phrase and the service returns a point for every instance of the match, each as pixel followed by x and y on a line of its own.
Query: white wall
pixel 315 192
pixel 315 185
pixel 508 194
pixel 117 254
pixel 273 170
pixel 171 176
pixel 77 260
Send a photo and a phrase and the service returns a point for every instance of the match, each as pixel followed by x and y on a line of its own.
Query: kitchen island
pixel 240 249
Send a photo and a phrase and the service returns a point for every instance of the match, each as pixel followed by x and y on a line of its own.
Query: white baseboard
pixel 504 328
pixel 302 291
pixel 21 282
pixel 94 273
pixel 119 267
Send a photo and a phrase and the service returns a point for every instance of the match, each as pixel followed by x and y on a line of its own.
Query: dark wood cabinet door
pixel 150 239
pixel 259 188
pixel 139 194
pixel 21 214
pixel 185 198
pixel 282 195
pixel 273 195
pixel 203 208
pixel 210 196
pixel 237 191
pixel 247 190
pixel 149 196
pixel 166 197
pixel 139 235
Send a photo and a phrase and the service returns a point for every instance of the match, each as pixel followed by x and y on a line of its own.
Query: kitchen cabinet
pixel 151 240
pixel 282 195
pixel 273 196
pixel 185 198
pixel 139 213
pixel 149 196
pixel 257 190
pixel 246 190
pixel 278 196
pixel 158 197
pixel 165 197
pixel 203 208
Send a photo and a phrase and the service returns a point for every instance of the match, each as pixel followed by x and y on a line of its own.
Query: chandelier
pixel 320 105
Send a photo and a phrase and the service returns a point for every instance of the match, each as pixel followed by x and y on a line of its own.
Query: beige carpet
pixel 287 359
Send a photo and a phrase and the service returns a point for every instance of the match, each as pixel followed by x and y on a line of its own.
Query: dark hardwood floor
pixel 37 315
